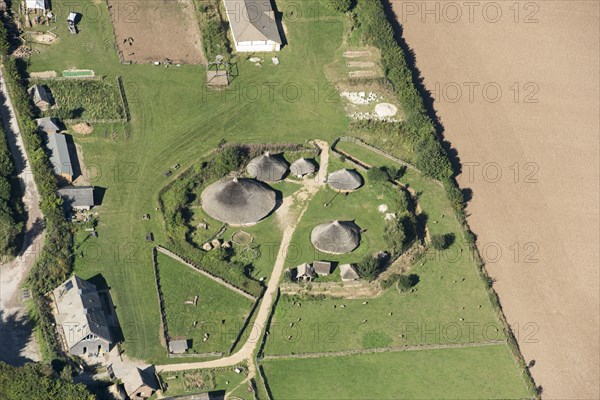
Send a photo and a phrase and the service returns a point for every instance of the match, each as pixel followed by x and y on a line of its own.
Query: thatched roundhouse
pixel 345 180
pixel 238 201
pixel 303 166
pixel 267 167
pixel 336 237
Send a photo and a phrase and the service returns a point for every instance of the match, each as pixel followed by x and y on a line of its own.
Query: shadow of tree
pixel 15 332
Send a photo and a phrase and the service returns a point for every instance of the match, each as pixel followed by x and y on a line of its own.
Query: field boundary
pixel 390 349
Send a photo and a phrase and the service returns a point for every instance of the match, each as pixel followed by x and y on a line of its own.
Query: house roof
pixel 59 154
pixel 79 311
pixel 305 269
pixel 48 125
pixel 345 179
pixel 178 346
pixel 138 378
pixel 348 272
pixel 336 237
pixel 302 167
pixel 238 201
pixel 40 93
pixel 322 267
pixel 267 167
pixel 252 20
pixel 77 196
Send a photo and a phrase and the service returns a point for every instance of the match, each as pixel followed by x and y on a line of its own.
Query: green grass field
pixel 175 119
pixel 216 304
pixel 462 373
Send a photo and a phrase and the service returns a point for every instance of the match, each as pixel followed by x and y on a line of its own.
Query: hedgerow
pixel 11 204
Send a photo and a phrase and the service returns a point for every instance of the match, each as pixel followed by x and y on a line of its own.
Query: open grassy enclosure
pixel 466 373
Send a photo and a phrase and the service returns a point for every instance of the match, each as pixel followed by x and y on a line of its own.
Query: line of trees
pixel 11 204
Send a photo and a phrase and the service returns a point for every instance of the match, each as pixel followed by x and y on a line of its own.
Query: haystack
pixel 336 237
pixel 238 201
pixel 267 168
pixel 345 180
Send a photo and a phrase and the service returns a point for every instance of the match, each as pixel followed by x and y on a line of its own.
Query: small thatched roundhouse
pixel 303 166
pixel 336 237
pixel 267 167
pixel 345 180
pixel 238 201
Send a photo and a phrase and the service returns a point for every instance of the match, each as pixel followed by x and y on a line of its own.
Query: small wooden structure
pixel 217 73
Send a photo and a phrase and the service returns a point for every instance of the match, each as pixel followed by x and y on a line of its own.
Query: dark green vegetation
pixel 219 311
pixel 11 204
pixel 38 382
pixel 463 373
pixel 84 99
pixel 213 28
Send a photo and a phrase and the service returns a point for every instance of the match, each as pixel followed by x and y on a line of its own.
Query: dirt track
pixel 553 304
pixel 158 29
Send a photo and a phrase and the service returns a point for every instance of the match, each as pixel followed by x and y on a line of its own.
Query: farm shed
pixel 238 201
pixel 48 125
pixel 59 155
pixel 323 268
pixel 305 272
pixel 35 5
pixel 345 180
pixel 41 97
pixel 178 346
pixel 302 167
pixel 77 197
pixel 253 25
pixel 140 384
pixel 267 167
pixel 348 272
pixel 81 318
pixel 336 237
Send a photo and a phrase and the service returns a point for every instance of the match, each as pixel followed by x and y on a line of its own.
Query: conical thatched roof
pixel 267 168
pixel 336 237
pixel 345 179
pixel 238 201
pixel 302 167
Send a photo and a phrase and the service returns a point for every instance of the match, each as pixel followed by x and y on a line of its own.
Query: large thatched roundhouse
pixel 345 180
pixel 336 237
pixel 303 166
pixel 267 167
pixel 238 201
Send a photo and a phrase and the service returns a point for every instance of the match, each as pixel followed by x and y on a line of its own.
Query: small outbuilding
pixel 41 97
pixel 336 237
pixel 59 155
pixel 345 180
pixel 77 198
pixel 348 273
pixel 35 5
pixel 303 166
pixel 305 272
pixel 178 346
pixel 253 25
pixel 267 167
pixel 322 268
pixel 238 201
pixel 47 125
pixel 140 384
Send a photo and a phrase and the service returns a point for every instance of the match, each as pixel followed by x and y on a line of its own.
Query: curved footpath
pixel 17 343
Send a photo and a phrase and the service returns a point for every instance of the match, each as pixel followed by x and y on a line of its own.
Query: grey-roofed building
pixel 77 197
pixel 336 237
pixel 322 268
pixel 41 97
pixel 178 346
pixel 303 166
pixel 305 272
pixel 253 25
pixel 140 384
pixel 238 201
pixel 348 272
pixel 345 180
pixel 59 155
pixel 81 318
pixel 267 167
pixel 47 125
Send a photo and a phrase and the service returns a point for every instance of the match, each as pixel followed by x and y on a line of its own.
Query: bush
pixel 377 175
pixel 438 242
pixel 11 203
pixel 341 5
pixel 432 160
pixel 395 237
pixel 213 30
pixel 407 282
pixel 368 268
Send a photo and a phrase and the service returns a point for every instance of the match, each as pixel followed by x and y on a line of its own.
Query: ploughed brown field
pixel 517 94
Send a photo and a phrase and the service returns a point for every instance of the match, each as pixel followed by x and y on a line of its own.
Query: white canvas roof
pixel 36 4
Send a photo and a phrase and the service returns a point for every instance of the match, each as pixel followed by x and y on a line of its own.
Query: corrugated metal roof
pixel 59 154
pixel 78 196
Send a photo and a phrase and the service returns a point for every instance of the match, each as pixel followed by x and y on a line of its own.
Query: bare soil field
pixel 149 31
pixel 537 221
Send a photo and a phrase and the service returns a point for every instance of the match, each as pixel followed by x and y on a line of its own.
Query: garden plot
pixel 370 102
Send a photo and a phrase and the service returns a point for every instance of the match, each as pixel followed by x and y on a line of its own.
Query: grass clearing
pixel 219 312
pixel 486 372
pixel 202 380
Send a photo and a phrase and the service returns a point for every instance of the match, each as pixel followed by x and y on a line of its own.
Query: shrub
pixel 341 5
pixel 377 175
pixel 407 282
pixel 368 268
pixel 394 236
pixel 438 242
pixel 432 160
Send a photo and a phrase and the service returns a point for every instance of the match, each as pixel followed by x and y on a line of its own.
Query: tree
pixel 406 282
pixel 439 242
pixel 368 268
pixel 341 5
pixel 377 175
pixel 394 236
